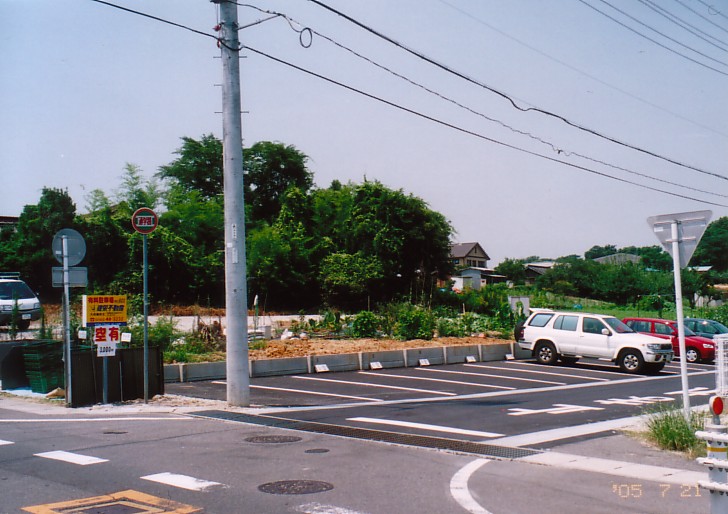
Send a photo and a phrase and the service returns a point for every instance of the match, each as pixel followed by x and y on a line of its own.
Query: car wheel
pixel 692 355
pixel 654 368
pixel 631 361
pixel 24 325
pixel 569 360
pixel 546 353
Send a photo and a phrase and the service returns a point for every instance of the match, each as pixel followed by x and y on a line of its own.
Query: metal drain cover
pixel 295 487
pixel 317 450
pixel 273 439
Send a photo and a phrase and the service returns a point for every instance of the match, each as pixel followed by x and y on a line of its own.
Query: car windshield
pixel 722 329
pixel 13 290
pixel 617 326
pixel 688 332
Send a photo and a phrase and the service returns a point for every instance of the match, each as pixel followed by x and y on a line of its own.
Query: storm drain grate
pixel 296 487
pixel 423 441
pixel 273 439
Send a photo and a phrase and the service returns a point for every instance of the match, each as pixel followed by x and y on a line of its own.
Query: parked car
pixel 568 336
pixel 12 291
pixel 705 327
pixel 697 349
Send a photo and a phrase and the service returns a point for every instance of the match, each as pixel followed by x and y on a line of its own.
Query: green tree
pixel 713 247
pixel 199 167
pixel 600 251
pixel 136 191
pixel 513 269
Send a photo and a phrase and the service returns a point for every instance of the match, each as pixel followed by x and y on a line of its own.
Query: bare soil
pixel 303 347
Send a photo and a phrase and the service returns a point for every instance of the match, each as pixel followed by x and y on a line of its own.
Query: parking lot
pixel 504 402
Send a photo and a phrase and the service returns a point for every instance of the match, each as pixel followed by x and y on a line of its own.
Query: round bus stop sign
pixel 144 220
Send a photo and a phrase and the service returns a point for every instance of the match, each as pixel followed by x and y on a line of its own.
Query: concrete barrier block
pixel 494 352
pixel 338 362
pixel 457 354
pixel 174 372
pixel 276 367
pixel 433 354
pixel 205 371
pixel 387 358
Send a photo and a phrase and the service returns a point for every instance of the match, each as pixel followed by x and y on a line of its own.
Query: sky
pixel 513 135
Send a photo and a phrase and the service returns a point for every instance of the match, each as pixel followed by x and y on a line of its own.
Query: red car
pixel 697 348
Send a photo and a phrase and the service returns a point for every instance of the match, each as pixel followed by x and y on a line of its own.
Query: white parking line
pixel 489 375
pixel 182 481
pixel 425 426
pixel 303 391
pixel 539 372
pixel 73 458
pixel 533 364
pixel 406 377
pixel 365 384
pixel 3 442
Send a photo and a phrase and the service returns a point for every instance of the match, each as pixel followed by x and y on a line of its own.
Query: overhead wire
pixel 508 98
pixel 712 10
pixel 661 45
pixel 708 20
pixel 553 147
pixel 412 111
pixel 692 29
pixel 470 132
pixel 579 71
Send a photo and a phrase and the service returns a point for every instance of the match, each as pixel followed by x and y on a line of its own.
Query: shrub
pixel 414 323
pixel 161 333
pixel 365 324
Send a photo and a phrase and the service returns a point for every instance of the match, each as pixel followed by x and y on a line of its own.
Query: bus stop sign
pixel 144 220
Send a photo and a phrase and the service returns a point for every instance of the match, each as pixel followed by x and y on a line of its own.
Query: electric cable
pixel 686 6
pixel 509 99
pixel 692 29
pixel 470 132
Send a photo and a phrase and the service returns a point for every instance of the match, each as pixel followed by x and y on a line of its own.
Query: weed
pixel 668 428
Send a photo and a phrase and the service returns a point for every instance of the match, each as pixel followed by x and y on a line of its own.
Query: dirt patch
pixel 303 347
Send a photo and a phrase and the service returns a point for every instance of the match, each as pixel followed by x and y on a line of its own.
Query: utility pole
pixel 236 297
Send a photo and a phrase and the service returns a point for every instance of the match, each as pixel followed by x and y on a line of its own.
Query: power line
pixel 581 72
pixel 615 20
pixel 508 98
pixel 482 115
pixel 712 10
pixel 470 132
pixel 701 16
pixel 692 29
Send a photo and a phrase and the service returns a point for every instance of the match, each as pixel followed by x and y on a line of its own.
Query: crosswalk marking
pixel 182 481
pixel 73 458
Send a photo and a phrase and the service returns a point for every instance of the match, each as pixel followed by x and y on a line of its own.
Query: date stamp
pixel 635 491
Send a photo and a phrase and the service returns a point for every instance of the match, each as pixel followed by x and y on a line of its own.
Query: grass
pixel 669 430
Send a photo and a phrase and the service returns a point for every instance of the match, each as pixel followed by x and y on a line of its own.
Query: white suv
pixel 12 291
pixel 552 335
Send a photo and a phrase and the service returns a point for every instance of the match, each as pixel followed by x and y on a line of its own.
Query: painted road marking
pixel 123 501
pixel 695 391
pixel 600 371
pixel 635 400
pixel 3 442
pixel 182 481
pixel 570 375
pixel 405 377
pixel 318 508
pixel 459 487
pixel 365 384
pixel 489 375
pixel 73 458
pixel 425 426
pixel 558 408
pixel 304 391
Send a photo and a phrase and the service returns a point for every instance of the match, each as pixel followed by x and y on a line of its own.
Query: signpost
pixel 144 221
pixel 69 248
pixel 679 235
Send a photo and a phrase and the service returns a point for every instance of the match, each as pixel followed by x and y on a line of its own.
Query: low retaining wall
pixel 411 357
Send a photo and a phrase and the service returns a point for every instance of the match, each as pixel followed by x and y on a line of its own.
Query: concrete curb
pixel 411 357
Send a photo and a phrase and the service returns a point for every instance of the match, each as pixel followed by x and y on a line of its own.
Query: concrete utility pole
pixel 236 298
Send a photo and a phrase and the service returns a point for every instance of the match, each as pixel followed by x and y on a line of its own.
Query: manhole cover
pixel 295 487
pixel 271 439
pixel 317 450
pixel 114 432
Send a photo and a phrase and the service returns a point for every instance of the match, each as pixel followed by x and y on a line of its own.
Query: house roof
pixel 460 250
pixel 618 258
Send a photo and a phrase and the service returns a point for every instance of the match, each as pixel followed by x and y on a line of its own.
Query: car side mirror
pixel 606 332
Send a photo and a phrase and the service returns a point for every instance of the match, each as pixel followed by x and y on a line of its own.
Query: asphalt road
pixel 349 443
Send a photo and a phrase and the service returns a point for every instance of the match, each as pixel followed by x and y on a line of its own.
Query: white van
pixel 13 290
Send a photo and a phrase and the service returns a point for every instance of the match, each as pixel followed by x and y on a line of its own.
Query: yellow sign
pixel 104 309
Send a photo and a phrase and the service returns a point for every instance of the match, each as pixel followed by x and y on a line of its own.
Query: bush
pixel 365 324
pixel 161 333
pixel 414 323
pixel 669 429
